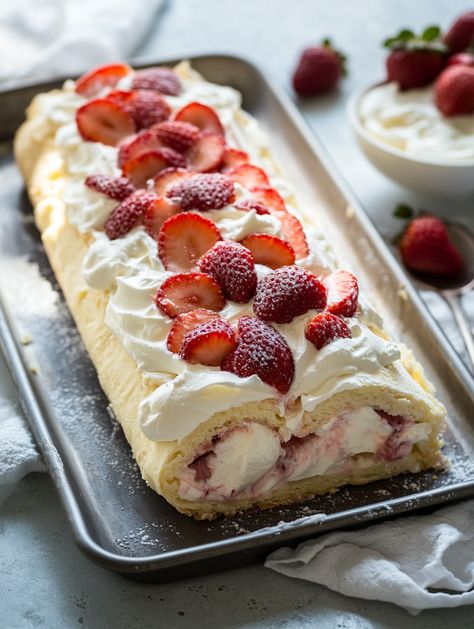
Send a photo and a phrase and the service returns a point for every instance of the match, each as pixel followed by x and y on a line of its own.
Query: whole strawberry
pixel 319 70
pixel 454 91
pixel 461 34
pixel 425 247
pixel 415 61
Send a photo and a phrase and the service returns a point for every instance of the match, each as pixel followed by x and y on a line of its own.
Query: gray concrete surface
pixel 44 579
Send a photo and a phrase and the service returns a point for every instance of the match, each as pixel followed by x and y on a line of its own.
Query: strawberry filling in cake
pixel 252 460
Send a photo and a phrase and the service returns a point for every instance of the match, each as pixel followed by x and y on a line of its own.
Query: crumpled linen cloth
pixel 45 38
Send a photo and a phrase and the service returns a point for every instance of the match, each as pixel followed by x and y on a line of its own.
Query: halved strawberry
pixel 167 178
pixel 179 136
pixel 142 168
pixel 252 204
pixel 148 108
pixel 184 323
pixel 162 80
pixel 209 343
pixel 121 97
pixel 117 188
pixel 128 214
pixel 343 293
pixel 324 328
pixel 104 121
pixel 291 227
pixel 233 157
pixel 206 152
pixel 187 291
pixel 91 83
pixel 202 116
pixel 146 140
pixel 249 176
pixel 184 238
pixel 156 214
pixel 269 250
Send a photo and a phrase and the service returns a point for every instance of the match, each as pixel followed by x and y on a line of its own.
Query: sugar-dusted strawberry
pixel 286 293
pixel 233 267
pixel 144 167
pixel 184 238
pixel 188 291
pixel 462 58
pixel 249 176
pixel 247 205
pixel 134 146
pixel 184 323
pixel 156 214
pixel 209 343
pixel 205 154
pixel 91 83
pixel 233 157
pixel 128 214
pixel 117 188
pixel 454 91
pixel 291 228
pixel 460 35
pixel 200 115
pixel 426 247
pixel 325 327
pixel 319 70
pixel 162 80
pixel 210 191
pixel 148 108
pixel 269 250
pixel 415 61
pixel 263 352
pixel 342 293
pixel 167 178
pixel 101 120
pixel 179 136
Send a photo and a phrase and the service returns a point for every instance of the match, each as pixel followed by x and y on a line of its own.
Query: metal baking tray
pixel 117 521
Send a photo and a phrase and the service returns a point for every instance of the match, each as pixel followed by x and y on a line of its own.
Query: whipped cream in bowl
pixel 407 138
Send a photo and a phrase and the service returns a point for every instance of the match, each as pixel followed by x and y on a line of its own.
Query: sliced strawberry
pixel 167 178
pixel 156 214
pixel 206 153
pixel 162 80
pixel 184 238
pixel 249 176
pixel 179 136
pixel 202 116
pixel 184 323
pixel 128 214
pixel 292 229
pixel 104 121
pixel 233 157
pixel 209 343
pixel 148 108
pixel 117 188
pixel 261 351
pixel 142 168
pixel 91 83
pixel 252 204
pixel 269 250
pixel 188 291
pixel 123 98
pixel 324 328
pixel 286 293
pixel 143 142
pixel 343 293
pixel 233 267
pixel 211 191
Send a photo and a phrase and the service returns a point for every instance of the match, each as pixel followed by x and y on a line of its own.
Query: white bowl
pixel 430 176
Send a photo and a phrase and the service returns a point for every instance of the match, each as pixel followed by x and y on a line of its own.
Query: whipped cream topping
pixel 410 121
pixel 130 270
pixel 250 461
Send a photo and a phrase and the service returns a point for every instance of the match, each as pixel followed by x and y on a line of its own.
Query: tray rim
pixel 267 537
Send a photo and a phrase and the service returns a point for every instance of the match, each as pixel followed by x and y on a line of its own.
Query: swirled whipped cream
pixel 130 271
pixel 410 121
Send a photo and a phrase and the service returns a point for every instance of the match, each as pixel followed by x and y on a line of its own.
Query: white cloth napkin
pixel 43 38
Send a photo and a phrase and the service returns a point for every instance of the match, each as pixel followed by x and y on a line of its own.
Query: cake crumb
pixel 26 339
pixel 350 211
